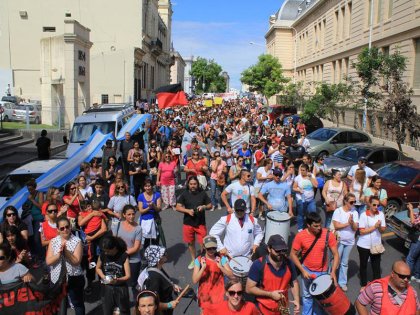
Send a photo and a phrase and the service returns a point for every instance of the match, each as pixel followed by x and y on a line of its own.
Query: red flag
pixel 171 95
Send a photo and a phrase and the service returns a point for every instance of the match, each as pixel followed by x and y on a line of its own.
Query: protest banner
pixel 208 103
pixel 218 100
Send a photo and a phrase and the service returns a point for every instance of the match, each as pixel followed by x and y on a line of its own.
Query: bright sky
pixel 222 30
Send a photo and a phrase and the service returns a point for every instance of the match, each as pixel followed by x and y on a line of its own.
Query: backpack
pixel 144 277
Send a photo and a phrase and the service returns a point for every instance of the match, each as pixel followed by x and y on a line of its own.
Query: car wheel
pixel 37 120
pixel 392 208
pixel 323 154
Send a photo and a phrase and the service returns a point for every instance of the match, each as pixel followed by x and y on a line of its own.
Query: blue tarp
pixel 134 124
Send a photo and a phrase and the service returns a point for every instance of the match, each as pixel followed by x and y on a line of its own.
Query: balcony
pixel 156 46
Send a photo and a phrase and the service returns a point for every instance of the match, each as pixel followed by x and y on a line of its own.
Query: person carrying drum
pixel 313 243
pixel 278 192
pixel 209 270
pixel 271 276
pixel 390 295
pixel 242 232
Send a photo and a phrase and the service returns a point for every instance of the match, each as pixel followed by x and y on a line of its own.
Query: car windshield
pixel 23 107
pixel 352 153
pixel 82 131
pixel 398 174
pixel 13 183
pixel 322 134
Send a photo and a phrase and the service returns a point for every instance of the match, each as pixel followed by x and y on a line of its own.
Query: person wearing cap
pixel 361 164
pixel 192 203
pixel 209 270
pixel 277 194
pixel 270 278
pixel 242 232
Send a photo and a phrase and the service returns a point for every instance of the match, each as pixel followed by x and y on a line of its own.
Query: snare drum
pixel 240 266
pixel 331 298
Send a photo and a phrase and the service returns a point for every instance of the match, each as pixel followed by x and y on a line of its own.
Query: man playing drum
pixel 271 276
pixel 313 243
pixel 391 295
pixel 242 232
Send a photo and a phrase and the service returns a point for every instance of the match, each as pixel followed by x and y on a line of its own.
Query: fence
pixel 33 118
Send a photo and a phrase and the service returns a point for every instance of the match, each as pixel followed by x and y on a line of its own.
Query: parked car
pixel 19 113
pixel 326 141
pixel 400 224
pixel 312 124
pixel 11 99
pixel 7 110
pixel 401 180
pixel 377 156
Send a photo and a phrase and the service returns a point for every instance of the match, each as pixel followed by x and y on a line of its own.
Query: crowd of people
pixel 107 225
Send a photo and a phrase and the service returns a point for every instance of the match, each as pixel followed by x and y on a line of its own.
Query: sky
pixel 222 31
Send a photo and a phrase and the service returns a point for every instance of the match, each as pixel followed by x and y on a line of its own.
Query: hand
pixel 151 205
pixel 276 295
pixel 200 208
pixel 113 281
pixel 296 306
pixel 334 278
pixel 177 288
pixel 27 278
pixel 89 238
pixel 203 263
pixel 254 248
pixel 410 207
pixel 224 252
pixel 291 214
pixel 306 274
pixel 378 224
pixel 350 219
pixel 229 210
pixel 97 213
pixel 174 303
pixel 158 183
pixel 269 206
pixel 190 212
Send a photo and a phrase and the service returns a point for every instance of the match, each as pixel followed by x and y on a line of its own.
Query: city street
pixel 179 259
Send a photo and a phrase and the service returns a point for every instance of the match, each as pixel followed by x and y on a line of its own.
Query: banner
pixel 19 298
pixel 208 103
pixel 237 141
pixel 133 124
pixel 218 101
pixel 170 96
pixel 63 172
pixel 186 140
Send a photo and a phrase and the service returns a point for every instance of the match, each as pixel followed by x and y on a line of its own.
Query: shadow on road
pixel 175 252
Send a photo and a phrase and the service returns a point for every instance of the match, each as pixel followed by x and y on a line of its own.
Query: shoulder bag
pixel 377 248
pixel 302 259
pixel 332 205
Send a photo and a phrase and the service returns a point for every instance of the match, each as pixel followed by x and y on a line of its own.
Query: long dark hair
pixel 13 230
pixel 193 177
pixel 11 208
pixel 67 188
pixel 110 242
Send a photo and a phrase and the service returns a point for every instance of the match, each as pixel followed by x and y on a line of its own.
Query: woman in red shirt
pixel 195 166
pixel 72 197
pixel 48 228
pixel 166 180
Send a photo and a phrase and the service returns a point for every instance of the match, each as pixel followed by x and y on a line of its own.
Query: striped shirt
pixel 373 294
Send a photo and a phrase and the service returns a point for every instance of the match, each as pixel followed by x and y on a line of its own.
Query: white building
pixel 188 78
pixel 177 69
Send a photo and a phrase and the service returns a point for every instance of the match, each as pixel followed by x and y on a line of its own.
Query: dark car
pixel 400 224
pixel 401 180
pixel 377 156
pixel 312 124
pixel 12 99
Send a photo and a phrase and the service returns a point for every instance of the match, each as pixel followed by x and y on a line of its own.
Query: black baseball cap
pixel 277 242
pixel 277 172
pixel 240 205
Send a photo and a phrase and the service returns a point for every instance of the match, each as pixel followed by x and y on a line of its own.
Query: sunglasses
pixel 2 257
pixel 282 251
pixel 52 211
pixel 72 188
pixel 119 187
pixel 217 156
pixel 233 293
pixel 10 215
pixel 403 277
pixel 375 205
pixel 352 202
pixel 211 248
pixel 63 228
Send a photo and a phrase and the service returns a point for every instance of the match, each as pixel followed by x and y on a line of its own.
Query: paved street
pixel 179 259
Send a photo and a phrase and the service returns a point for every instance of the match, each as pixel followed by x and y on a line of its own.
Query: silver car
pixel 7 110
pixel 326 141
pixel 34 112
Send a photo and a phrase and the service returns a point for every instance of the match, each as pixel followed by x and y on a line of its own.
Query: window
pixel 348 20
pixel 416 81
pixel 385 51
pixel 336 25
pixel 346 67
pixel 391 155
pixel 377 157
pixel 356 137
pixel 343 23
pixel 104 98
pixel 48 29
pixel 341 137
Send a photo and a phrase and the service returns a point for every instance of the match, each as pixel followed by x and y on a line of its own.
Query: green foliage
pixel 207 76
pixel 400 114
pixel 293 94
pixel 265 77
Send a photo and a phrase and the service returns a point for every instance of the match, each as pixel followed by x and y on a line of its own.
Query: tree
pixel 207 76
pixel 265 77
pixel 400 114
pixel 293 94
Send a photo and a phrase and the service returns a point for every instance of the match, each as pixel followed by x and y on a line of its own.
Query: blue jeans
pixel 344 254
pixel 328 218
pixel 413 259
pixel 304 207
pixel 308 305
pixel 215 193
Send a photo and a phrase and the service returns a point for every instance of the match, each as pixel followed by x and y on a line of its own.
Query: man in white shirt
pixel 361 164
pixel 240 189
pixel 242 232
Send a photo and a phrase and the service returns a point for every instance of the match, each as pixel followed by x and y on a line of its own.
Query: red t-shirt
pixel 93 224
pixel 167 176
pixel 74 208
pixel 247 309
pixel 303 241
pixel 196 166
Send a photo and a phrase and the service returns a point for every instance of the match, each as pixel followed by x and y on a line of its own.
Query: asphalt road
pixel 179 259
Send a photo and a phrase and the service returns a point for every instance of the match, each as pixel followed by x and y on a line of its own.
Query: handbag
pixel 202 180
pixel 332 205
pixel 377 248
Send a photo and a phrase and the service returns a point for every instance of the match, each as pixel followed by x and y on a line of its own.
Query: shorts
pixel 189 232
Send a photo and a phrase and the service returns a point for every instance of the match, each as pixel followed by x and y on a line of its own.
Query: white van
pixel 107 118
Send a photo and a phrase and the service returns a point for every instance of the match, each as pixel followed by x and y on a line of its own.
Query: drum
pixel 277 223
pixel 240 266
pixel 331 298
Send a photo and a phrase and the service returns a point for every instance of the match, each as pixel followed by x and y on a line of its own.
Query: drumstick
pixel 234 260
pixel 182 293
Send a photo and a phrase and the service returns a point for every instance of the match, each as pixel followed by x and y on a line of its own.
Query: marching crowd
pixel 107 224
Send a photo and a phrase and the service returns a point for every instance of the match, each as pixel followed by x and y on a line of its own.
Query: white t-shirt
pixel 347 235
pixel 373 238
pixel 369 172
pixel 237 191
pixel 264 173
pixel 306 185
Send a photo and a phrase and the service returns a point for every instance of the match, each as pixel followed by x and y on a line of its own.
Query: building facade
pixel 129 58
pixel 317 41
pixel 177 69
pixel 189 80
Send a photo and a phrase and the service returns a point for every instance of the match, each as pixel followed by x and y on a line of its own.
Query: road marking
pixel 388 234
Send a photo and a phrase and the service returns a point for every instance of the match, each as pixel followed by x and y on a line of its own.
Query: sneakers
pixel 219 207
pixel 344 288
pixel 191 265
pixel 212 208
